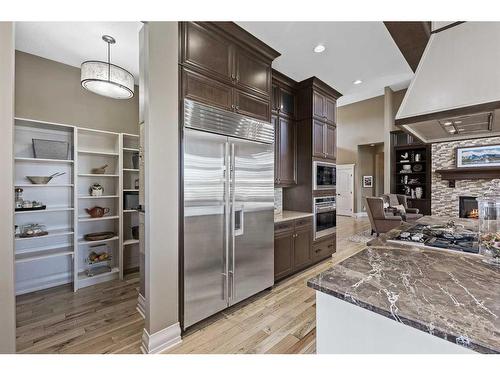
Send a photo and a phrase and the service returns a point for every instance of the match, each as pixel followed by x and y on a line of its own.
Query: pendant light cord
pixel 109 62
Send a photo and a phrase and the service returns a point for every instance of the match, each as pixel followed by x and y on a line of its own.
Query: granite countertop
pixel 290 215
pixel 452 295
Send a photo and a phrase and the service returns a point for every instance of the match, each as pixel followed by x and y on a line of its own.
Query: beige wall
pixel 362 123
pixel 51 91
pixel 7 301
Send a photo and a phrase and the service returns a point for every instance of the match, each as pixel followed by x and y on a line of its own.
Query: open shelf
pixel 43 185
pixel 130 242
pixel 38 160
pixel 97 175
pixel 50 209
pixel 130 149
pixel 81 241
pixel 52 233
pixel 97 197
pixel 43 254
pixel 83 275
pixel 102 153
pixel 83 219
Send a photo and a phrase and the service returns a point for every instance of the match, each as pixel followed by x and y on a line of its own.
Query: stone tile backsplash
pixel 278 200
pixel 445 199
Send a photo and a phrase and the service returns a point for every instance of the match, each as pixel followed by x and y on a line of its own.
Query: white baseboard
pixel 141 303
pixel 357 215
pixel 161 340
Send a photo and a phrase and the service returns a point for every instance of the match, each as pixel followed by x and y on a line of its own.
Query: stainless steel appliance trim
pixel 324 208
pixel 315 173
pixel 203 117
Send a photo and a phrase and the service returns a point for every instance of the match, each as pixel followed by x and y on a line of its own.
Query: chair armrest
pixel 393 218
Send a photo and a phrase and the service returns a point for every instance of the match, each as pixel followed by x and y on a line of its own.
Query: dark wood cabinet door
pixel 318 105
pixel 302 247
pixel 331 142
pixel 283 250
pixel 323 249
pixel 287 152
pixel 287 102
pixel 251 105
pixel 277 145
pixel 206 50
pixel 318 140
pixel 202 89
pixel 330 110
pixel 252 73
pixel 275 98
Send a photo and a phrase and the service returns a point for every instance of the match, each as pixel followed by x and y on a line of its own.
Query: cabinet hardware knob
pixel 238 77
pixel 237 107
pixel 233 76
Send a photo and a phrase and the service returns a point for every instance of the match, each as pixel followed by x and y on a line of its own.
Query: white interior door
pixel 345 189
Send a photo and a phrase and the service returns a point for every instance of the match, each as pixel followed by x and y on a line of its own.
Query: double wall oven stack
pixel 324 178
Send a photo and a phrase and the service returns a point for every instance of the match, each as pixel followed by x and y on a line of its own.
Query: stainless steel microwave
pixel 324 175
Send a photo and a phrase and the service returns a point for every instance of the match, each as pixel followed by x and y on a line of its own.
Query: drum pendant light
pixel 106 79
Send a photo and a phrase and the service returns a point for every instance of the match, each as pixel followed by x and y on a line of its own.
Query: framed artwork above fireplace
pixel 478 156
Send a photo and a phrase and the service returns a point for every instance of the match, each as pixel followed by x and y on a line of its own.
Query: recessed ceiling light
pixel 357 82
pixel 319 48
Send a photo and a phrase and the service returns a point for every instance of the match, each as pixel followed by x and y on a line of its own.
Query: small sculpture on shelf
pixel 97 211
pixel 96 190
pixel 100 170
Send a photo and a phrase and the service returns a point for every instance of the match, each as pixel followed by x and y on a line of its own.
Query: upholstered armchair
pixel 394 200
pixel 380 220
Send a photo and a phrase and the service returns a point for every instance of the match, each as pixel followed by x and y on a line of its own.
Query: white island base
pixel 344 328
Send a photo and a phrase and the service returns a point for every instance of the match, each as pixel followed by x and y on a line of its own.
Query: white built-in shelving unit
pixel 129 216
pixel 96 148
pixel 46 261
pixel 60 257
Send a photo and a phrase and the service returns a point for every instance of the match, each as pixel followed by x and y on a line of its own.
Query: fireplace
pixel 467 207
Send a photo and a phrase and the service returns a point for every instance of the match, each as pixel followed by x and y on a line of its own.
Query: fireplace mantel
pixel 471 173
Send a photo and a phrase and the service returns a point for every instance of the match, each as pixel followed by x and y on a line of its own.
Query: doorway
pixel 345 189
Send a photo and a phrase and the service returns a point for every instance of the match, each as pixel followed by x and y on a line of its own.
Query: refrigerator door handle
pixel 232 182
pixel 227 231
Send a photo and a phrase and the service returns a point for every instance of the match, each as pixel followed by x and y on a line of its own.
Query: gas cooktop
pixel 448 236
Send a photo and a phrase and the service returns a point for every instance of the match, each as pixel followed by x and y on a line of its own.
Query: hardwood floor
pixel 98 319
pixel 103 318
pixel 282 320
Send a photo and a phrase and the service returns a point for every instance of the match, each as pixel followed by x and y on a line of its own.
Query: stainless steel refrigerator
pixel 228 209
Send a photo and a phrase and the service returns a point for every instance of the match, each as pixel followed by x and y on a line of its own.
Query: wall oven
pixel 324 216
pixel 324 175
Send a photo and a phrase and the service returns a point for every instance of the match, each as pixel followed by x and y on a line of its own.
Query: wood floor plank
pixel 103 318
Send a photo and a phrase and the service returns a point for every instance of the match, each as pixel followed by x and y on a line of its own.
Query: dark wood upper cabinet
pixel 330 110
pixel 302 247
pixel 251 105
pixel 330 142
pixel 206 90
pixel 287 148
pixel 231 60
pixel 287 102
pixel 318 146
pixel 318 105
pixel 252 73
pixel 206 50
pixel 275 98
pixel 324 140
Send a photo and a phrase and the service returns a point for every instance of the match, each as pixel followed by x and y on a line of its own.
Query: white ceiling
pixel 354 50
pixel 72 43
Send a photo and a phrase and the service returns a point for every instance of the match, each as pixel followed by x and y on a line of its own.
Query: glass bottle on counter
pixel 489 224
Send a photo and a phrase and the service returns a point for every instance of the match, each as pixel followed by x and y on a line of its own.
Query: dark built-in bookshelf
pixel 411 170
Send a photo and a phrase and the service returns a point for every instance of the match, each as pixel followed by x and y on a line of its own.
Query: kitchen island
pixel 404 298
